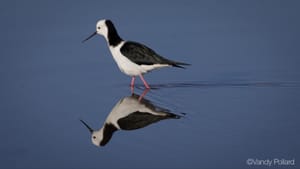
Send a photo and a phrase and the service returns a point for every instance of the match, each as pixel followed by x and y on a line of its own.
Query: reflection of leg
pixel 144 81
pixel 143 94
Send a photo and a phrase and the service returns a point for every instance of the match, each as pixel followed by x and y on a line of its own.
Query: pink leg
pixel 144 81
pixel 132 84
pixel 132 81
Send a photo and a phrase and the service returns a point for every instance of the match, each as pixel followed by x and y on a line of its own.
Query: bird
pixel 130 113
pixel 133 58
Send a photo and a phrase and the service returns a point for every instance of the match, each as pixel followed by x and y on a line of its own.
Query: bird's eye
pixel 94 137
pixel 98 27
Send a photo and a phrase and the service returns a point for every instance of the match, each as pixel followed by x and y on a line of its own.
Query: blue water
pixel 238 100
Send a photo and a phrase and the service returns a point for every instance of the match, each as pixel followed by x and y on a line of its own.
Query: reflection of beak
pixel 95 33
pixel 87 126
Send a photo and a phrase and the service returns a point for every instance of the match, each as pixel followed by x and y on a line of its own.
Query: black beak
pixel 95 33
pixel 87 126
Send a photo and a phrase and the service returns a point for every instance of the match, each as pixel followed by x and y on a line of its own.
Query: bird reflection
pixel 130 113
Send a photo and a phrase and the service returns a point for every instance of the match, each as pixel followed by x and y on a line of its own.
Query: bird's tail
pixel 180 64
pixel 173 116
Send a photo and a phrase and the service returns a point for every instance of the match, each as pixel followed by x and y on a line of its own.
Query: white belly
pixel 128 67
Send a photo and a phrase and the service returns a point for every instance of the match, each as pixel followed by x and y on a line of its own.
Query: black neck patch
pixel 113 37
pixel 108 131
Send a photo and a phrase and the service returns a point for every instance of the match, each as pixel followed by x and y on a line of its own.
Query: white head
pixel 107 29
pixel 97 137
pixel 101 137
pixel 101 28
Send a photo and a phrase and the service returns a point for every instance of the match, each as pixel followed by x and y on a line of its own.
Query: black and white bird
pixel 133 59
pixel 130 113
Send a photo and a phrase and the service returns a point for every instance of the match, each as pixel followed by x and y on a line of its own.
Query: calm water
pixel 238 101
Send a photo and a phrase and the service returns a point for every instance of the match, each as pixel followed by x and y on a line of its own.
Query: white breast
pixel 124 64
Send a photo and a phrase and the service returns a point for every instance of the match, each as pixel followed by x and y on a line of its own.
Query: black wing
pixel 142 55
pixel 139 119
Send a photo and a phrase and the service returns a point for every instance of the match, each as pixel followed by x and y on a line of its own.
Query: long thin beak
pixel 95 33
pixel 87 126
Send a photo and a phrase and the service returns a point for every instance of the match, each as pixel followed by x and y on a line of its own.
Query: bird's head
pixel 97 135
pixel 107 29
pixel 101 29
